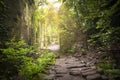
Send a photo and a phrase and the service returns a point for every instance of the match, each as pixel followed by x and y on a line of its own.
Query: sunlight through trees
pixel 34 32
pixel 48 23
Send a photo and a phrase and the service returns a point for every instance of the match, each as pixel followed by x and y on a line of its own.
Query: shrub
pixel 107 65
pixel 16 61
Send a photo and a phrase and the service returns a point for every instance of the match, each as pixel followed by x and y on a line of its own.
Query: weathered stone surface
pixel 61 71
pixel 94 77
pixel 88 73
pixel 75 72
pixel 51 71
pixel 76 66
pixel 87 70
pixel 59 75
pixel 91 63
pixel 49 77
pixel 93 67
pixel 71 68
pixel 75 69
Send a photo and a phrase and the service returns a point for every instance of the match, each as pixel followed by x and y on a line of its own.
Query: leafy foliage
pixel 67 29
pixel 31 68
pixel 99 20
pixel 19 59
pixel 108 66
pixel 96 18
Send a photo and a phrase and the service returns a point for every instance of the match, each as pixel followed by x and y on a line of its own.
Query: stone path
pixel 72 68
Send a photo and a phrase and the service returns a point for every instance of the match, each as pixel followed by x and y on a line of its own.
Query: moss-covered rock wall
pixel 16 20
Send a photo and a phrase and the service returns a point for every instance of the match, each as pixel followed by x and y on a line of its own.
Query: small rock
pixel 76 66
pixel 90 58
pixel 87 70
pixel 51 72
pixel 75 73
pixel 60 75
pixel 49 77
pixel 61 71
pixel 66 62
pixel 77 55
pixel 83 62
pixel 93 67
pixel 91 63
pixel 88 73
pixel 75 69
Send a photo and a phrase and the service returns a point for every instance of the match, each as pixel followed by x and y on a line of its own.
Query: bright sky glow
pixel 52 1
pixel 57 5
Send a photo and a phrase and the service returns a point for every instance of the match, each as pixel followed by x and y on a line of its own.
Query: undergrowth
pixel 108 66
pixel 21 61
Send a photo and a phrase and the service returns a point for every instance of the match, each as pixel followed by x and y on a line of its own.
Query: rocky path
pixel 72 68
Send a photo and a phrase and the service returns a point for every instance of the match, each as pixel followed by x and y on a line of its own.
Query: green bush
pixel 107 65
pixel 12 57
pixel 18 59
pixel 31 68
